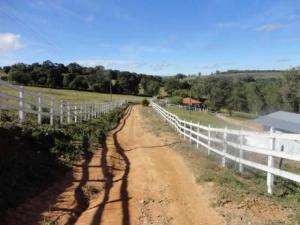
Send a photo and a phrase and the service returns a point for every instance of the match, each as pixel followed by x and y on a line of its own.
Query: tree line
pixel 252 94
pixel 248 93
pixel 76 77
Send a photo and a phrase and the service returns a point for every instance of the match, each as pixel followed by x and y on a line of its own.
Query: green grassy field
pixel 204 118
pixel 69 95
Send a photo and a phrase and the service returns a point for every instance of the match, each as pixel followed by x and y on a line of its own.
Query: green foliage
pixel 145 102
pixel 176 100
pixel 76 77
pixel 31 157
pixel 150 85
pixel 79 83
pixel 245 93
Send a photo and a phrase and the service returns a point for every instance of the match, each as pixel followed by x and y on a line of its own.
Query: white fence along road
pixel 46 107
pixel 232 145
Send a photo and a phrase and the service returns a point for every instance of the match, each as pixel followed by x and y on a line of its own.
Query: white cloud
pixel 9 41
pixel 271 27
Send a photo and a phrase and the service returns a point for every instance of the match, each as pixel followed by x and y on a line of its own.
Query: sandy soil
pixel 134 178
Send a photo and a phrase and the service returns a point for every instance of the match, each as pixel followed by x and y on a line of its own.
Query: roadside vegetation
pixel 240 198
pixel 33 157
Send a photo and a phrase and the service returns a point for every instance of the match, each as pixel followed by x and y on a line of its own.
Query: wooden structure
pixel 193 103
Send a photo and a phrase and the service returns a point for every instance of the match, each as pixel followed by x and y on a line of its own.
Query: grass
pixel 70 95
pixel 240 190
pixel 240 115
pixel 204 118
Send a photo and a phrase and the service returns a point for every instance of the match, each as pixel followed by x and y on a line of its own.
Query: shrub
pixel 176 100
pixel 31 157
pixel 145 102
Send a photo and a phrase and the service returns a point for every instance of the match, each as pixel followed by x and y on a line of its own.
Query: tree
pixel 150 86
pixel 67 79
pixel 79 83
pixel 291 90
pixel 74 68
pixel 254 100
pixel 54 78
pixel 18 77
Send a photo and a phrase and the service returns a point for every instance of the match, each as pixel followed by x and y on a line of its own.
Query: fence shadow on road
pixel 108 177
pixel 153 146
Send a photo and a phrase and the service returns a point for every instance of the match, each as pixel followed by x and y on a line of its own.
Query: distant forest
pixel 77 77
pixel 252 91
pixel 248 92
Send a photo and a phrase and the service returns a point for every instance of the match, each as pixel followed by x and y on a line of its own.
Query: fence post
pixel 68 113
pixel 241 151
pixel 39 108
pixel 198 132
pixel 85 111
pixel 61 112
pixel 21 105
pixel 52 111
pixel 91 111
pixel 270 176
pixel 81 113
pixel 209 134
pixel 191 128
pixel 75 113
pixel 224 147
pixel 97 110
pixel 184 129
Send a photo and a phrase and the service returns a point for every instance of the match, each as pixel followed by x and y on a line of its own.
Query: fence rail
pixel 59 111
pixel 233 145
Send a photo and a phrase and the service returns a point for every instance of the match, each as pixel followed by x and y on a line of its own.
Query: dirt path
pixel 135 178
pixel 151 184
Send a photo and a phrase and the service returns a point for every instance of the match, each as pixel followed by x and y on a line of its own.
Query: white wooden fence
pixel 232 145
pixel 59 111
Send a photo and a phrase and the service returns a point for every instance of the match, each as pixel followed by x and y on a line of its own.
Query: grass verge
pixel 204 118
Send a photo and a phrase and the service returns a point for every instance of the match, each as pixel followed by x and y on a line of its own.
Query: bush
pixel 145 102
pixel 176 100
pixel 32 157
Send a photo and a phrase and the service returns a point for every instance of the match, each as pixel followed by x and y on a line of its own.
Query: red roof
pixel 190 101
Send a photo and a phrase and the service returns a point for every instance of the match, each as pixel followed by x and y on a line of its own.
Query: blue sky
pixel 153 36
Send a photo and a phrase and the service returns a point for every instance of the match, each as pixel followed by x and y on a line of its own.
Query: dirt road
pixel 146 182
pixel 134 178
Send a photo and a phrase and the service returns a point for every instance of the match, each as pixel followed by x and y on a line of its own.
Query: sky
pixel 160 37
